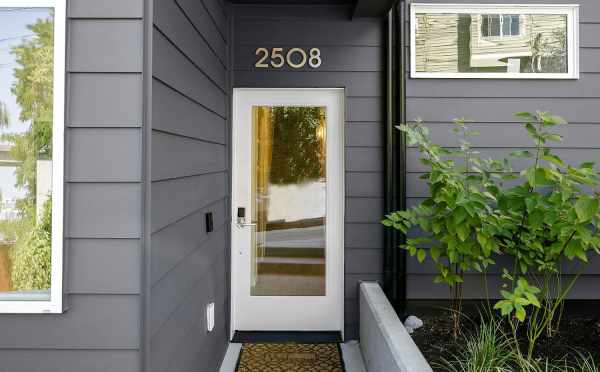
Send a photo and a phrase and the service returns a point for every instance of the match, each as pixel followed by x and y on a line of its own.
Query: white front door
pixel 287 210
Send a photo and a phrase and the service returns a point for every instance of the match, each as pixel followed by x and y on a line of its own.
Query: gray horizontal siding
pixel 423 288
pixel 356 84
pixel 492 104
pixel 104 155
pixel 174 113
pixel 100 329
pixel 180 197
pixel 174 69
pixel 189 173
pixel 353 58
pixel 177 157
pixel 105 45
pixel 183 237
pixel 103 210
pixel 105 99
pixel 69 360
pixel 106 8
pixel 89 261
pixel 92 322
pixel 198 13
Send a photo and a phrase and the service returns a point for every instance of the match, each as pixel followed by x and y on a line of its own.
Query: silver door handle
pixel 241 223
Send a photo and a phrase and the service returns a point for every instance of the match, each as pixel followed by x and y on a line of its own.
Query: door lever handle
pixel 244 224
pixel 241 223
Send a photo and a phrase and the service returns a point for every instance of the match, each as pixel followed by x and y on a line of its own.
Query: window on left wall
pixel 32 65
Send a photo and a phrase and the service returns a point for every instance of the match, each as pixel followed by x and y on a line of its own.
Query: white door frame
pixel 335 195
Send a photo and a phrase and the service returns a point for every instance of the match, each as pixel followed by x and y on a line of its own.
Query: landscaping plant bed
pixel 577 333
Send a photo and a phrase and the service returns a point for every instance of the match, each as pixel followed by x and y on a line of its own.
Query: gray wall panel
pixel 104 155
pixel 580 110
pixel 174 69
pixel 105 46
pixel 189 317
pixel 364 210
pixel 365 134
pixel 189 173
pixel 423 288
pixel 364 184
pixel 178 198
pixel 174 113
pixel 363 261
pixel 575 135
pixel 105 100
pixel 106 8
pixel 93 322
pixel 173 289
pixel 587 86
pixel 364 109
pixel 364 235
pixel 174 243
pixel 364 159
pixel 219 16
pixel 169 19
pixel 103 210
pixel 353 58
pixel 492 104
pixel 361 32
pixel 357 84
pixel 88 260
pixel 198 14
pixel 69 360
pixel 176 156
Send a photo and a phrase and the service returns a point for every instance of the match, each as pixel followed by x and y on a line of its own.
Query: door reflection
pixel 289 191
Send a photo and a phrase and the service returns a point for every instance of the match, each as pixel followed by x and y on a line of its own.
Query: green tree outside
pixel 33 89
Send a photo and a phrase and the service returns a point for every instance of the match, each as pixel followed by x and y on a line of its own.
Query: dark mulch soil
pixel 436 340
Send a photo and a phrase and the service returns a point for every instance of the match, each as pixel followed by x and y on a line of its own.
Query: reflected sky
pixel 13 30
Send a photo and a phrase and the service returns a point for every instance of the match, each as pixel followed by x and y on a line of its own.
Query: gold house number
pixel 295 58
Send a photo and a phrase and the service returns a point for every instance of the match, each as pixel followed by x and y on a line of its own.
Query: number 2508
pixel 295 58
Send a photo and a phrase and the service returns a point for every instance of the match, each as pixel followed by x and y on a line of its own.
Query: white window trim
pixel 55 304
pixel 570 10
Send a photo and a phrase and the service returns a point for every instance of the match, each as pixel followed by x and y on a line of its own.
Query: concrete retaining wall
pixel 385 344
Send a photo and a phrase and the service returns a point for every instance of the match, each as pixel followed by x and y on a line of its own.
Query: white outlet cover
pixel 210 316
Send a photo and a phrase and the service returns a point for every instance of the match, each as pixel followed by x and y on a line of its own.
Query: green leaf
pixel 586 208
pixel 520 313
pixel 421 254
pixel 435 252
pixel 536 177
pixel 521 154
pixel 525 115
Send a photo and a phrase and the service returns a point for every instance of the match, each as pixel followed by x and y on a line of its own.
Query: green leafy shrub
pixel 549 216
pixel 31 255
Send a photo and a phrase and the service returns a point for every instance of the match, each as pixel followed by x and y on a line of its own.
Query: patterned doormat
pixel 290 357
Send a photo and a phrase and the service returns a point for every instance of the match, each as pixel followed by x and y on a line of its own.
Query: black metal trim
pixel 394 271
pixel 287 336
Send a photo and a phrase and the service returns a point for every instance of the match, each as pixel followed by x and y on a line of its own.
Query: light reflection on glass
pixel 491 43
pixel 289 186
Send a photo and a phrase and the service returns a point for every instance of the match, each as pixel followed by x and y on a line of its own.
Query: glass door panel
pixel 289 200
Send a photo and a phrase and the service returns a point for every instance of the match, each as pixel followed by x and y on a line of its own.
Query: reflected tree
pixel 298 151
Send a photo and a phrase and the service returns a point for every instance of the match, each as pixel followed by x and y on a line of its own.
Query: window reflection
pixel 492 43
pixel 289 201
pixel 26 132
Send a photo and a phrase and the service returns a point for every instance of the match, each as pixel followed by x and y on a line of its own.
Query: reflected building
pixel 495 43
